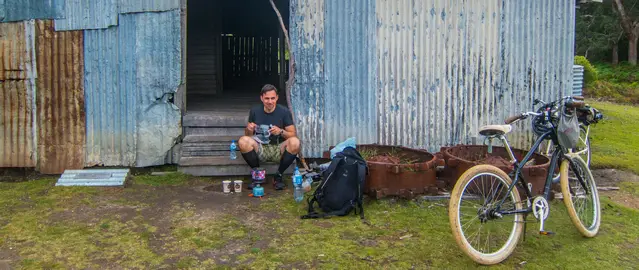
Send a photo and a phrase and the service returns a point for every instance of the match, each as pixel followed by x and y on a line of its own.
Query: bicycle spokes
pixel 482 224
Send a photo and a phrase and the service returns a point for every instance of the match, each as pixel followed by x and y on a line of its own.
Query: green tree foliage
pixel 601 30
pixel 597 30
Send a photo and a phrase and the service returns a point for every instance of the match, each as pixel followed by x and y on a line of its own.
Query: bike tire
pixel 454 215
pixel 587 226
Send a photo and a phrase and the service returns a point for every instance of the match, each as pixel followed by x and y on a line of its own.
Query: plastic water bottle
pixel 306 186
pixel 297 177
pixel 233 150
pixel 298 193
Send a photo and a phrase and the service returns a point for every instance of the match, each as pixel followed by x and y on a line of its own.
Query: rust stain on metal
pixel 60 99
pixel 16 97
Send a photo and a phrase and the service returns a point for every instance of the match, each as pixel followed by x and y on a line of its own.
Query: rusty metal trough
pixel 460 158
pixel 414 174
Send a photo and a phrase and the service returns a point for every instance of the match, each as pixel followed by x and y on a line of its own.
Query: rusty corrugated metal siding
pixel 442 70
pixel 17 75
pixel 131 73
pixel 130 6
pixel 308 94
pixel 60 99
pixel 19 10
pixel 84 15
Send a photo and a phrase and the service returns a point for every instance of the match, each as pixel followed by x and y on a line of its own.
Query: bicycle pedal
pixel 547 233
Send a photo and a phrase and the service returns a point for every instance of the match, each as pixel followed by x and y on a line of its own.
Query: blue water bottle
pixel 233 150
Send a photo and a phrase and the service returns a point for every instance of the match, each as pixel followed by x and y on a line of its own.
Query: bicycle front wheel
pixel 580 195
pixel 478 225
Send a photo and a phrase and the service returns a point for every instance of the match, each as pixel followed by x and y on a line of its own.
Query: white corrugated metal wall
pixel 439 69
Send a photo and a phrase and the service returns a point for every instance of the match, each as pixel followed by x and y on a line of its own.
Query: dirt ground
pixel 615 178
pixel 192 205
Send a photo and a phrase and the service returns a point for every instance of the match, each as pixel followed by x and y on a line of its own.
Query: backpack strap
pixel 311 210
pixel 361 174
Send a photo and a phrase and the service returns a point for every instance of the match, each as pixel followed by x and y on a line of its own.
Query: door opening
pixel 233 49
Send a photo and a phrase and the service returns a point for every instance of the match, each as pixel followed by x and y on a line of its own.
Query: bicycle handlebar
pixel 525 115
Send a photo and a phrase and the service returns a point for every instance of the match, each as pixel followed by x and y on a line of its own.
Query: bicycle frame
pixel 517 172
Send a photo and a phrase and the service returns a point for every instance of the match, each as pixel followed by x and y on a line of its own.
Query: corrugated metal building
pixel 103 82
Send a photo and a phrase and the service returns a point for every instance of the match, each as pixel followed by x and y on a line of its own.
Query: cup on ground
pixel 237 186
pixel 226 186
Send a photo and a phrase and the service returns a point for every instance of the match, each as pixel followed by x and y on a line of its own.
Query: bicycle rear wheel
pixel 480 231
pixel 580 195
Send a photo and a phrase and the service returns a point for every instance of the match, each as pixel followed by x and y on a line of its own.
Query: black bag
pixel 341 191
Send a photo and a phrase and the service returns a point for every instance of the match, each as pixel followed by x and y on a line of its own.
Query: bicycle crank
pixel 541 210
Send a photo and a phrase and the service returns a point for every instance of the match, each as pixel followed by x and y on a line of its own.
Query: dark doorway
pixel 233 49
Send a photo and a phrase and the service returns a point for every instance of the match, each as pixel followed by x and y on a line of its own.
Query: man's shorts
pixel 269 152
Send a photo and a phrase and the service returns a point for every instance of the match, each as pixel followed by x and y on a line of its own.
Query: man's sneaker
pixel 278 184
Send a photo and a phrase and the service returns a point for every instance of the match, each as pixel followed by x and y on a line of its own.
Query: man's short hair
pixel 268 87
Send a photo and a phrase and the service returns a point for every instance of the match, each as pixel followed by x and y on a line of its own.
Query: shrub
pixel 590 73
pixel 615 92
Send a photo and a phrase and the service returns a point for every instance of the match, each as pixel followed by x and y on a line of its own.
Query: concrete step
pixel 227 170
pixel 205 153
pixel 211 160
pixel 228 118
pixel 210 139
pixel 214 131
pixel 222 166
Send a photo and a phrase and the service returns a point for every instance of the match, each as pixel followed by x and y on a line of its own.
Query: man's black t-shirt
pixel 280 117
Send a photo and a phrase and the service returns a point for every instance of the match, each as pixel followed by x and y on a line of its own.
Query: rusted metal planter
pixel 460 158
pixel 405 180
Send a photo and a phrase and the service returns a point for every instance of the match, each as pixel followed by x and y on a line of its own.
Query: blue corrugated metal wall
pixel 110 105
pixel 84 15
pixel 128 6
pixel 308 94
pixel 20 10
pixel 350 108
pixel 134 69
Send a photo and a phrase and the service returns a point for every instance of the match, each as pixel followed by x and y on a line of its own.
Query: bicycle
pixel 486 195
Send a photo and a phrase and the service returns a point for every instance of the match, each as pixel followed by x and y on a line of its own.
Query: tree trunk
pixel 291 74
pixel 632 50
pixel 631 29
pixel 615 54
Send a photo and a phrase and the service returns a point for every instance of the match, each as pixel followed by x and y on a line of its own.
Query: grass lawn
pixel 615 140
pixel 180 225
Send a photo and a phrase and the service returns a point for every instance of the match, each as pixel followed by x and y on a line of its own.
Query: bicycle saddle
pixel 495 130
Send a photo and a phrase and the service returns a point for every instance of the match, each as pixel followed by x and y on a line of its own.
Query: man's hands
pixel 275 130
pixel 250 129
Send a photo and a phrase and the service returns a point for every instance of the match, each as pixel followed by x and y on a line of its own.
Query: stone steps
pixel 204 154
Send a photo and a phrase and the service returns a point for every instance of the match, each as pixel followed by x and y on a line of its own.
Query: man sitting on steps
pixel 270 136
